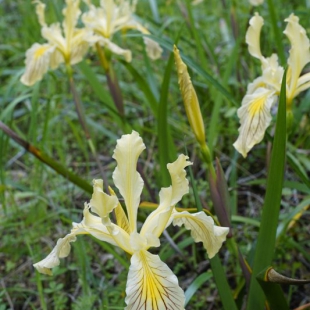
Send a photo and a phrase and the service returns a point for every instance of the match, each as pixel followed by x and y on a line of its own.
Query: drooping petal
pixel 102 203
pixel 254 115
pixel 62 249
pixel 115 49
pixel 253 36
pixel 37 63
pixel 153 49
pixel 125 176
pixel 156 222
pixel 151 285
pixel 299 52
pixel 202 230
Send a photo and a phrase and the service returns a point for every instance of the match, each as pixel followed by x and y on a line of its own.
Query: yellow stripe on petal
pixel 151 285
pixel 120 215
pixel 254 117
pixel 202 230
pixel 37 63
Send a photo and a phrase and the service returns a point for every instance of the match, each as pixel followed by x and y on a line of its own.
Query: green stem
pixel 82 120
pixel 47 160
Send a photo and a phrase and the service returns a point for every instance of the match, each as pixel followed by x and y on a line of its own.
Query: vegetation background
pixel 37 205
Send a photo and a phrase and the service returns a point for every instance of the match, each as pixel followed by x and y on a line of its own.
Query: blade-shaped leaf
pixel 267 234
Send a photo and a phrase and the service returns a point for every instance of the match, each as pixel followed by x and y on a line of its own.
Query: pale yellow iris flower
pixel 150 284
pixel 256 2
pixel 115 15
pixel 263 92
pixel 66 44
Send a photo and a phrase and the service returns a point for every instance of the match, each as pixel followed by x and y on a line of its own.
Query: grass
pixel 37 205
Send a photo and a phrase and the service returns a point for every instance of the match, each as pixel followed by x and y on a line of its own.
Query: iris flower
pixel 66 44
pixel 112 16
pixel 150 284
pixel 263 92
pixel 256 2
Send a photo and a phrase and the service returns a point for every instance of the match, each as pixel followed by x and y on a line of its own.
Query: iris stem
pixel 81 116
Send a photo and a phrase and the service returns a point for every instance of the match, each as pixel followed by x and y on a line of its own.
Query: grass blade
pixel 47 160
pixel 196 284
pixel 270 215
pixel 165 143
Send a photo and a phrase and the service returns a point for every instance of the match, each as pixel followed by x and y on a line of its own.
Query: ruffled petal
pixel 37 63
pixel 254 115
pixel 202 229
pixel 157 220
pixel 151 285
pixel 253 36
pixel 125 176
pixel 40 8
pixel 115 49
pixel 71 13
pixel 299 52
pixel 102 203
pixel 153 49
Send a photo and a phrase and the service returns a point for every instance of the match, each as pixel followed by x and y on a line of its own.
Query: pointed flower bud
pixel 190 99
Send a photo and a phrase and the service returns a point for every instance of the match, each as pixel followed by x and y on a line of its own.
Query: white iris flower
pixel 66 44
pixel 112 16
pixel 150 284
pixel 263 93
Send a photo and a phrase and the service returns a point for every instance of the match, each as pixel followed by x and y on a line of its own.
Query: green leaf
pixel 195 285
pixel 193 65
pixel 269 222
pixel 143 85
pixel 298 168
pixel 165 142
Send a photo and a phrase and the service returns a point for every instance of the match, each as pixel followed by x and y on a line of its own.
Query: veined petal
pixel 202 230
pixel 54 36
pixel 151 285
pixel 153 49
pixel 125 176
pixel 37 63
pixel 101 203
pixel 80 43
pixel 156 222
pixel 299 52
pixel 116 49
pixel 254 115
pixel 62 249
pixel 253 36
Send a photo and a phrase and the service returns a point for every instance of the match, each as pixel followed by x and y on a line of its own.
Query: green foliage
pixel 38 205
